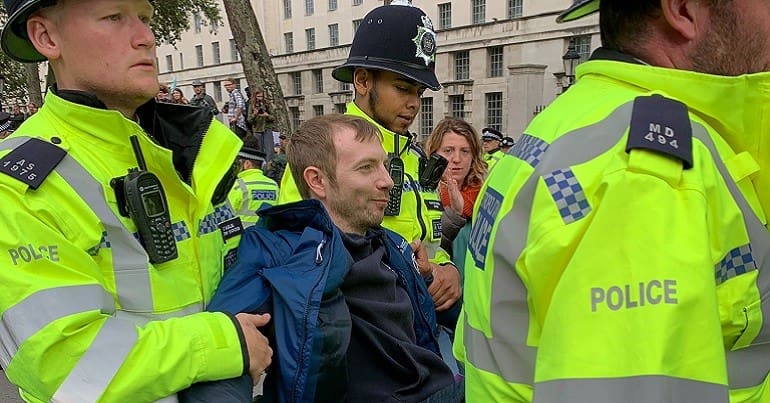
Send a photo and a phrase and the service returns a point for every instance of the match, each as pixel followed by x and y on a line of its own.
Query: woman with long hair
pixel 458 142
pixel 177 97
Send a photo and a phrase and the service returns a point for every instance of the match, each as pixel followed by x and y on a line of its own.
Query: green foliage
pixel 172 17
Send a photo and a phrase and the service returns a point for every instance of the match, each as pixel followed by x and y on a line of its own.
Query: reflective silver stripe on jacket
pixel 630 390
pixel 96 368
pixel 510 357
pixel 747 367
pixel 244 210
pixel 33 313
pixel 130 261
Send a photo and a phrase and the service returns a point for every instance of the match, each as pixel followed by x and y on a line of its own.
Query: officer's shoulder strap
pixel 661 125
pixel 31 161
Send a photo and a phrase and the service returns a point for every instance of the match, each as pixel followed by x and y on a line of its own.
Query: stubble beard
pixel 729 48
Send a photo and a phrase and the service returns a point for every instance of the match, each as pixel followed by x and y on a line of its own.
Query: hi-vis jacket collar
pixel 734 106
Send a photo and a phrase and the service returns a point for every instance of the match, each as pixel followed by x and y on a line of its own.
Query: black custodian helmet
pixel 14 38
pixel 398 38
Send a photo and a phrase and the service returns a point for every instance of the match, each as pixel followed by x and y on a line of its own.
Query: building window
pixel 318 110
pixel 217 91
pixel 462 65
pixel 457 106
pixel 332 5
pixel 495 110
pixel 286 9
pixel 310 36
pixel 495 61
pixel 334 35
pixel 515 8
pixel 199 55
pixel 583 46
pixel 340 108
pixel 197 23
pixel 445 16
pixel 181 61
pixel 318 81
pixel 234 56
pixel 296 79
pixel 169 63
pixel 309 7
pixel 295 121
pixel 357 2
pixel 356 24
pixel 345 86
pixel 288 39
pixel 478 11
pixel 426 116
pixel 215 54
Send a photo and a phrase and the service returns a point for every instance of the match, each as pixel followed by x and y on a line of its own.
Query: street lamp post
pixel 570 60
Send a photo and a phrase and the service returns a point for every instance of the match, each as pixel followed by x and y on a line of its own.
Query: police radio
pixel 396 171
pixel 140 196
pixel 431 171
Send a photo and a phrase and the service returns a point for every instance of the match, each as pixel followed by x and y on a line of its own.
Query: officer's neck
pixel 370 113
pixel 91 100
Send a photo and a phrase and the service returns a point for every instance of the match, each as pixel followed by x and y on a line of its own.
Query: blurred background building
pixel 499 61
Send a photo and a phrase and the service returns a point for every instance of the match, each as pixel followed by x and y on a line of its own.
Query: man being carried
pixel 391 63
pixel 379 341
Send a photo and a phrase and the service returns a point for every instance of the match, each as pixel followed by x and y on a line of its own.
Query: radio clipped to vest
pixel 396 171
pixel 431 171
pixel 140 196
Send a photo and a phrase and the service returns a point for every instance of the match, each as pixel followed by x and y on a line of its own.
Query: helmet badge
pixel 425 41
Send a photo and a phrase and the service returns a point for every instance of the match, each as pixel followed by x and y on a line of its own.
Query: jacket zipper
pixel 301 362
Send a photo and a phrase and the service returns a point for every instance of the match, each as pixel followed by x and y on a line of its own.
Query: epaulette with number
pixel 32 161
pixel 662 125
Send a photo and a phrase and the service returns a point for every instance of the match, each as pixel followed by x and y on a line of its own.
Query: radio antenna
pixel 138 153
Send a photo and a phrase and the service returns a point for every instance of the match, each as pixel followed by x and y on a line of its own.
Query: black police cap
pixel 489 133
pixel 14 39
pixel 397 38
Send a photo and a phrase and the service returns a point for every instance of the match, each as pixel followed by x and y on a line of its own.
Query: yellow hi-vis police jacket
pixel 596 274
pixel 492 158
pixel 85 316
pixel 251 190
pixel 421 209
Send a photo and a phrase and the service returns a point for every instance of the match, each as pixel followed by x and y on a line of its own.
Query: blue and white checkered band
pixel 568 195
pixel 210 223
pixel 425 41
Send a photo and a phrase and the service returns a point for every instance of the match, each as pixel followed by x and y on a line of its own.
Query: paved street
pixel 8 393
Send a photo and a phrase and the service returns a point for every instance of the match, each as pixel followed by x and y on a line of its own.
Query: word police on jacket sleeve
pixel 637 295
pixel 29 252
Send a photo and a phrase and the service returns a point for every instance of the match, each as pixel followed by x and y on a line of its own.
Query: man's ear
pixel 362 80
pixel 316 181
pixel 42 35
pixel 689 18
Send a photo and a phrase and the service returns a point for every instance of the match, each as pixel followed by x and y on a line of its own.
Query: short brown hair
pixel 625 24
pixel 478 170
pixel 313 145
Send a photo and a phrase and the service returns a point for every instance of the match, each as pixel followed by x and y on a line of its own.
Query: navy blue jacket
pixel 291 265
